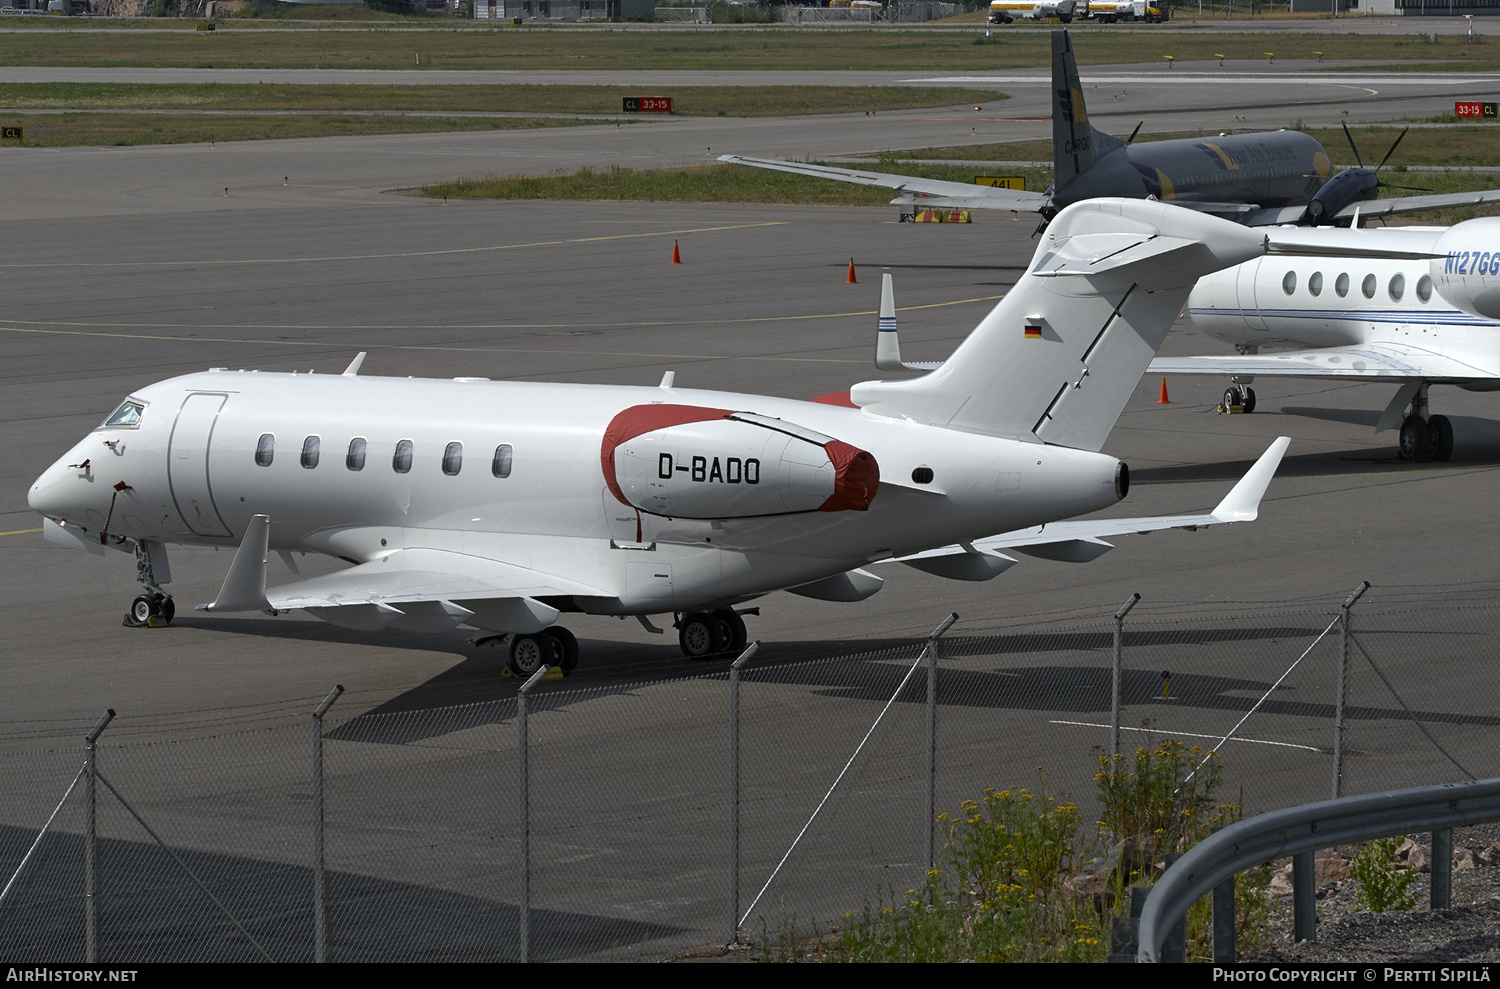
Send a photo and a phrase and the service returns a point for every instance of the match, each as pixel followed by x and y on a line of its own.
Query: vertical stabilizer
pixel 887 345
pixel 1072 135
pixel 1060 355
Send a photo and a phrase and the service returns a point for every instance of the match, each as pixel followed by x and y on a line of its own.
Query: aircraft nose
pixel 57 493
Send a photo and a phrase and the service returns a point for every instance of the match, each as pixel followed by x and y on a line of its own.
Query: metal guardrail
pixel 1306 828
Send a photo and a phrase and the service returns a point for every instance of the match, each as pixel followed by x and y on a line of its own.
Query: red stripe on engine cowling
pixel 640 419
pixel 856 477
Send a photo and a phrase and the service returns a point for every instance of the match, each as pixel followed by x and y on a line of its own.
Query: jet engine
pixel 1467 273
pixel 688 462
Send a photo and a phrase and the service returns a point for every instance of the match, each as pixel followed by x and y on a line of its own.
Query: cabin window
pixel 1397 287
pixel 128 415
pixel 501 466
pixel 310 448
pixel 265 450
pixel 355 459
pixel 1315 283
pixel 1424 288
pixel 1341 285
pixel 1368 286
pixel 453 459
pixel 1289 282
pixel 401 462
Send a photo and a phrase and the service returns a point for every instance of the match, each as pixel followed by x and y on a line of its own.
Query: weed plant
pixel 999 899
pixel 1382 886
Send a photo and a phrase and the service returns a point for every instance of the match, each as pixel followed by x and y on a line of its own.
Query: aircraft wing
pixel 1083 541
pixel 414 575
pixel 415 590
pixel 947 194
pixel 1418 204
pixel 1377 360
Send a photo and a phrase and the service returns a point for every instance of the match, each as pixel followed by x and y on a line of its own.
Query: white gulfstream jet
pixel 499 505
pixel 1426 314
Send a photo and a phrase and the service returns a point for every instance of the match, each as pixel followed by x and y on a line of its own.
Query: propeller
pixel 1394 144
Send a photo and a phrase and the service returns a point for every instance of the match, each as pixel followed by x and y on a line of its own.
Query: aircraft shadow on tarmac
pixel 881 666
pixel 149 911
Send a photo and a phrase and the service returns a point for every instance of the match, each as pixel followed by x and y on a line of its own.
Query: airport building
pixel 562 10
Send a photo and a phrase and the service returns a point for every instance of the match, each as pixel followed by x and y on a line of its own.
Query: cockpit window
pixel 127 416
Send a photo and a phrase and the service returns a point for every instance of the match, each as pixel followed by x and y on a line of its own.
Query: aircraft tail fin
pixel 887 344
pixel 1075 142
pixel 1057 359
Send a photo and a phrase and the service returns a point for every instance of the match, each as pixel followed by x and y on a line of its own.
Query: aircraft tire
pixel 700 636
pixel 566 652
pixel 141 609
pixel 528 653
pixel 1249 400
pixel 1231 397
pixel 169 608
pixel 1440 437
pixel 1414 442
pixel 732 626
pixel 1066 18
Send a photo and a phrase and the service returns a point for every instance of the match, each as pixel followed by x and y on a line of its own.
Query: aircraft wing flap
pixel 424 575
pixel 1384 360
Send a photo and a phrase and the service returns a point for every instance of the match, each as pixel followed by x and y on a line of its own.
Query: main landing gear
pixel 555 647
pixel 154 607
pixel 704 634
pixel 1425 437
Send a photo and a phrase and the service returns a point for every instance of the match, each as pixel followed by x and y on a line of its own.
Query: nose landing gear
pixel 154 608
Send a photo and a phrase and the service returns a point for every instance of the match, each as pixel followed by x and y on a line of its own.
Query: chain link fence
pixel 631 788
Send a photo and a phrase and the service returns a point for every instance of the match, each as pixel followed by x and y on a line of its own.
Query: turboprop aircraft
pixel 500 505
pixel 1428 319
pixel 1258 179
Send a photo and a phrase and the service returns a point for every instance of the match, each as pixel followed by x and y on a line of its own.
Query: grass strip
pixel 694 184
pixel 72 130
pixel 698 101
pixel 462 46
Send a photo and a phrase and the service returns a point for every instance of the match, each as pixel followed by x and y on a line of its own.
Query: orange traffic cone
pixel 851 280
pixel 1164 400
pixel 676 256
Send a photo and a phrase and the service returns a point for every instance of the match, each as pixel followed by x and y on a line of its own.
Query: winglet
pixel 353 369
pixel 245 585
pixel 887 344
pixel 1242 503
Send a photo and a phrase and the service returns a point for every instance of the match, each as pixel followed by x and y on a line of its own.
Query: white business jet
pixel 1427 318
pixel 500 505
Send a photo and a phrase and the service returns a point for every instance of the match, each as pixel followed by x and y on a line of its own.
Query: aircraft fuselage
pixel 360 467
pixel 1281 168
